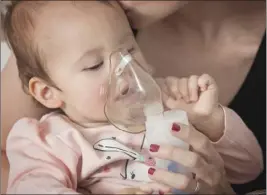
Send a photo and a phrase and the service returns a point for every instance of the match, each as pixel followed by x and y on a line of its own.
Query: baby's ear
pixel 44 93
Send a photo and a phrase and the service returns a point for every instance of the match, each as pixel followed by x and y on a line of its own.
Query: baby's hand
pixel 198 96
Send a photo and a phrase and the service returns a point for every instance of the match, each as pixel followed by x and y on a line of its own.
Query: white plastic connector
pixel 158 131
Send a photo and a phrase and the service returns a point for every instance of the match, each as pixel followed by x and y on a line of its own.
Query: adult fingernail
pixel 176 127
pixel 154 148
pixel 151 171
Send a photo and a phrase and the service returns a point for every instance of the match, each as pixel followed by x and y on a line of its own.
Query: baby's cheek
pixel 95 99
pixel 89 98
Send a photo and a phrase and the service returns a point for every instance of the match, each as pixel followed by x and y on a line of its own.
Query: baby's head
pixel 63 48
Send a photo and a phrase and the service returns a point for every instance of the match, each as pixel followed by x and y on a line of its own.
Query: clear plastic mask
pixel 130 90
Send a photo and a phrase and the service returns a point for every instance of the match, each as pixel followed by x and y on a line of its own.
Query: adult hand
pixel 202 160
pixel 134 191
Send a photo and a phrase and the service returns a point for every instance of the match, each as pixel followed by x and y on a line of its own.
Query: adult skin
pixel 218 38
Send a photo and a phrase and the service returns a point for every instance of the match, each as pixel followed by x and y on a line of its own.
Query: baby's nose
pixel 123 87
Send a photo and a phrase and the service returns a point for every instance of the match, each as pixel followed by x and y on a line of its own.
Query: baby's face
pixel 77 41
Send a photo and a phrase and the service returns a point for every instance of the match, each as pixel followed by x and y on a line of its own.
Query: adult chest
pixel 226 52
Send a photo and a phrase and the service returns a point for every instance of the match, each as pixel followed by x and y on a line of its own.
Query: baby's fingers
pixel 193 88
pixel 172 83
pixel 165 92
pixel 206 82
pixel 161 83
pixel 183 88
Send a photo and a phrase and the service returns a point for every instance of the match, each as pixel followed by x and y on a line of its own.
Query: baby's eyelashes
pixel 93 68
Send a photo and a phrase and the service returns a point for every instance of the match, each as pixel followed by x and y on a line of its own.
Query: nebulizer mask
pixel 134 104
pixel 130 90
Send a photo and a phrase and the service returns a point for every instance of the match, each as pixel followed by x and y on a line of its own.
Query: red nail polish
pixel 176 127
pixel 151 171
pixel 154 148
pixel 161 193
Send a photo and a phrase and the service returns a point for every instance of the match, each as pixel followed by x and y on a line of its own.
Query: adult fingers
pixel 191 160
pixel 198 142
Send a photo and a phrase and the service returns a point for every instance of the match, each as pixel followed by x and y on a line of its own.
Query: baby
pixel 62 50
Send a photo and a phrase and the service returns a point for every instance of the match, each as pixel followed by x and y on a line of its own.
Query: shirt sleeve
pixel 239 149
pixel 40 163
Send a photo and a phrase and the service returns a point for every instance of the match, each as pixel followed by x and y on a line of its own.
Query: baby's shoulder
pixel 52 134
pixel 51 125
pixel 57 123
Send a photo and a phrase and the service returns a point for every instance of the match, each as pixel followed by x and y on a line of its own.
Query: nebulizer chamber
pixel 134 104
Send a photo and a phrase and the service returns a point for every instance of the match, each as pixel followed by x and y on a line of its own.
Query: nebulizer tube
pixel 134 104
